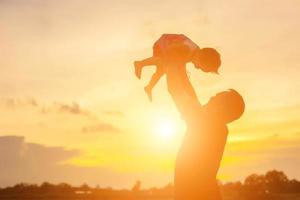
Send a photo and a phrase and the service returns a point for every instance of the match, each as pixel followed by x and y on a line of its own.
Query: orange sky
pixel 69 96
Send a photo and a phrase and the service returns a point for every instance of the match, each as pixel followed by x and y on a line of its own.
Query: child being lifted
pixel 173 48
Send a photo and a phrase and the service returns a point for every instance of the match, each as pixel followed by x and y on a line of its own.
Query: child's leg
pixel 154 79
pixel 138 65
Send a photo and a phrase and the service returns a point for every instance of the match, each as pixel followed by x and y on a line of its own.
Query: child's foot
pixel 137 69
pixel 149 93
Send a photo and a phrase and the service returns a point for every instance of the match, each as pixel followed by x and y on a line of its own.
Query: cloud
pixel 20 2
pixel 113 113
pixel 277 151
pixel 101 127
pixel 15 150
pixel 21 161
pixel 74 108
pixel 14 103
pixel 64 109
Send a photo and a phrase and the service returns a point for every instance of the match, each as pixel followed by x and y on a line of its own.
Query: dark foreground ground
pixel 95 197
pixel 274 185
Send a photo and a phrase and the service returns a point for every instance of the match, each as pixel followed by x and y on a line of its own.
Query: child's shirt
pixel 166 40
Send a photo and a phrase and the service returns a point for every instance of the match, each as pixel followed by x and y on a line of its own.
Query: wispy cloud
pixel 113 113
pixel 101 127
pixel 72 111
pixel 73 108
pixel 14 103
pixel 277 151
pixel 57 107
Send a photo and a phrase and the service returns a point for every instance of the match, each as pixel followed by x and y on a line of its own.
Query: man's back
pixel 199 159
pixel 201 152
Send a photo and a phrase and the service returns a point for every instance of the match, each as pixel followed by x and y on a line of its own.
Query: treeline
pixel 271 185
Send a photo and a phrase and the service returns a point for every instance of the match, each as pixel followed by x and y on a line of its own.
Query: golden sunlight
pixel 165 128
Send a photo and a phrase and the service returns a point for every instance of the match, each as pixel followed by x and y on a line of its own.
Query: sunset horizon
pixel 73 110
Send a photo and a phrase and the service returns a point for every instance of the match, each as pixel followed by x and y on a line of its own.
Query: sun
pixel 165 128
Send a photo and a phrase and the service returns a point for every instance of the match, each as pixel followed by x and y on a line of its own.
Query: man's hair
pixel 230 104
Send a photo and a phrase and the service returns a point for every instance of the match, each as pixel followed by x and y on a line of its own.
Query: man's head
pixel 226 106
pixel 207 59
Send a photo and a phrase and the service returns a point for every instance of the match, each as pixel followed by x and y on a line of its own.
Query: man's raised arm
pixel 179 88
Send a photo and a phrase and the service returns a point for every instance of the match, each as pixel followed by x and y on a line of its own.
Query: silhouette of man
pixel 201 152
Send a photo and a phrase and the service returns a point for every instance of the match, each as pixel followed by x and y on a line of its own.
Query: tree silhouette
pixel 276 181
pixel 137 186
pixel 272 185
pixel 256 183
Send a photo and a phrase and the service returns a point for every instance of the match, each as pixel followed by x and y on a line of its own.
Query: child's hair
pixel 208 59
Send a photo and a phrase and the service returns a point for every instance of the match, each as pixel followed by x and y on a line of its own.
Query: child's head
pixel 207 59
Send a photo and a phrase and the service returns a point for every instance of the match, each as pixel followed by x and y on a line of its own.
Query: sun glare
pixel 165 129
